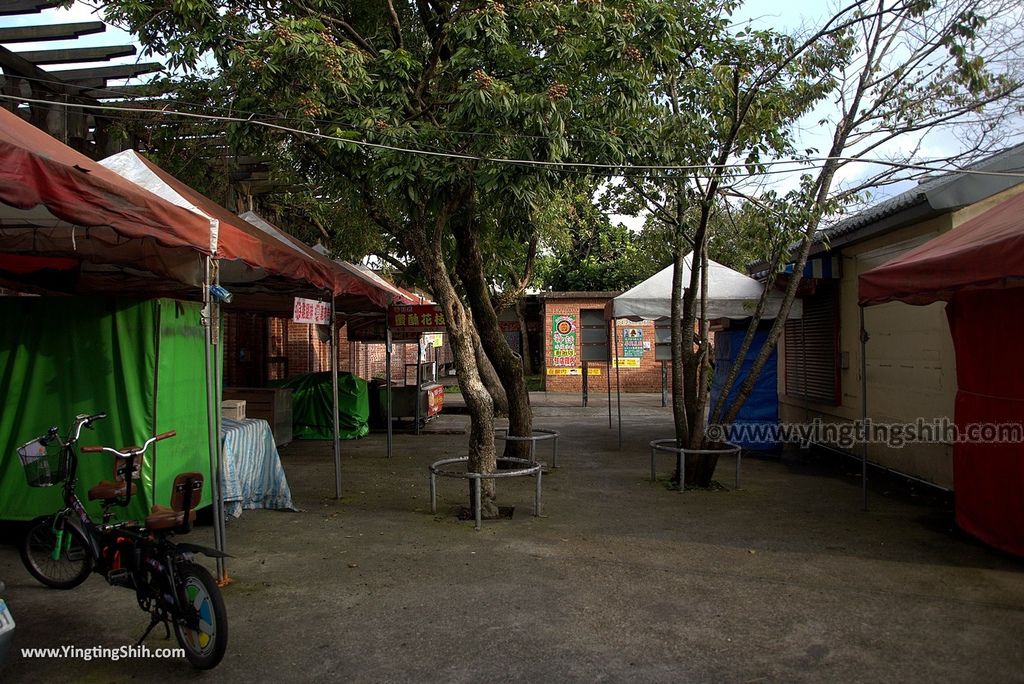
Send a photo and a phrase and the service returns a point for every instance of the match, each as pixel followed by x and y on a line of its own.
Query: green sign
pixel 632 343
pixel 563 341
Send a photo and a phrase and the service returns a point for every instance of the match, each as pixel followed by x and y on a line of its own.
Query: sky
pixel 785 15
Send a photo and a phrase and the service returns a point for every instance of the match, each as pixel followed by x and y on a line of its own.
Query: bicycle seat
pixel 112 490
pixel 185 495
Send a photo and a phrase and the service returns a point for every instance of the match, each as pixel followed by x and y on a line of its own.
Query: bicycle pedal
pixel 120 578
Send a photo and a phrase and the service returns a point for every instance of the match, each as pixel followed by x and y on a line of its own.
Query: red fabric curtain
pixel 987 329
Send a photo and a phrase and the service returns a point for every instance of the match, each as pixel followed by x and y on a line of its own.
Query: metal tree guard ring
pixel 538 435
pixel 532 468
pixel 669 445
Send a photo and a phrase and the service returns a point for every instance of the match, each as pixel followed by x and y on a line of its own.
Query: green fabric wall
pixel 139 361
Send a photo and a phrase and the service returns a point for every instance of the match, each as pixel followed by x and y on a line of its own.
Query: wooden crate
pixel 273 405
pixel 233 409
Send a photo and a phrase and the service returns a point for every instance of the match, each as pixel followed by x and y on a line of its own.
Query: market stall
pixel 978 269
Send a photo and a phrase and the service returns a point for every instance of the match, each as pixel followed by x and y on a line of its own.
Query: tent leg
pixel 608 381
pixel 334 402
pixel 218 365
pixel 212 422
pixel 419 385
pixel 618 378
pixel 664 384
pixel 863 412
pixel 387 387
pixel 586 386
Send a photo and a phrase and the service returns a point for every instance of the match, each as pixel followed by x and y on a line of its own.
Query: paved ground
pixel 621 579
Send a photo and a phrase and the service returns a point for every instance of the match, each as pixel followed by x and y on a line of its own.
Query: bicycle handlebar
pixel 130 451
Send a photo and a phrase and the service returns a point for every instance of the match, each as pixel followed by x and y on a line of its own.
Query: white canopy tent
pixel 731 295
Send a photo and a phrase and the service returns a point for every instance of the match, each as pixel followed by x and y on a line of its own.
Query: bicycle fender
pixel 196 548
pixel 94 546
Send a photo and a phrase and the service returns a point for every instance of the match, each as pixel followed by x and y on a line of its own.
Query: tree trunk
pixel 524 334
pixel 489 376
pixel 427 250
pixel 508 364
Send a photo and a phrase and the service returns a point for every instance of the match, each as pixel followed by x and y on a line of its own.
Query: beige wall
pixel 911 367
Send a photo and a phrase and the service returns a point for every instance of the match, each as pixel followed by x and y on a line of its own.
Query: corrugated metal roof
pixel 939 192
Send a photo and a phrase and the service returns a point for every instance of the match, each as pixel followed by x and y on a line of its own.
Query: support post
pixel 334 403
pixel 608 381
pixel 618 379
pixel 419 381
pixel 664 384
pixel 586 385
pixel 387 383
pixel 212 413
pixel 863 411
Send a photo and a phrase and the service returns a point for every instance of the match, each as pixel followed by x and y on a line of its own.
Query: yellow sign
pixel 627 363
pixel 573 371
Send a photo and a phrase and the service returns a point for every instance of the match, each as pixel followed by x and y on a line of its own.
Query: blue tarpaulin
pixel 760 412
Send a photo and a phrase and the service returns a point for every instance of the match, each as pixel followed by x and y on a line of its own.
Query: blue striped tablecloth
pixel 252 475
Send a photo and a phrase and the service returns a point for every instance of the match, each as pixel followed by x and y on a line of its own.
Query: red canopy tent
pixel 65 212
pixel 978 268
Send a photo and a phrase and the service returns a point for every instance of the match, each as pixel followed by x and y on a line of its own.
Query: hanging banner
pixel 416 318
pixel 563 340
pixel 632 343
pixel 311 311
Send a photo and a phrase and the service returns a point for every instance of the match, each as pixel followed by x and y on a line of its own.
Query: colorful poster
pixel 632 343
pixel 563 341
pixel 435 400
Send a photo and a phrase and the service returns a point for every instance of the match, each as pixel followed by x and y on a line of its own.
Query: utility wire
pixel 615 169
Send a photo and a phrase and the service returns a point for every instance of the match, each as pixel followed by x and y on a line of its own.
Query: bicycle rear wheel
pixel 205 643
pixel 72 565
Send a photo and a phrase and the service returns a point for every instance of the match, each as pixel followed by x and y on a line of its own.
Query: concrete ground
pixel 621 579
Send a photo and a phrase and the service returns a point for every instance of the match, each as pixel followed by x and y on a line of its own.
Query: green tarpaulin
pixel 311 406
pixel 141 362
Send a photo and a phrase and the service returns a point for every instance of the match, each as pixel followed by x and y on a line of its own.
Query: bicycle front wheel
pixel 73 562
pixel 207 638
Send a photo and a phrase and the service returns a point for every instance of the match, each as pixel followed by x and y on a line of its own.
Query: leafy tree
pixel 912 68
pixel 536 80
pixel 891 69
pixel 585 251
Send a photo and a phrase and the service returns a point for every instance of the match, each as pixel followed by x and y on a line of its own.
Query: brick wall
pixel 646 378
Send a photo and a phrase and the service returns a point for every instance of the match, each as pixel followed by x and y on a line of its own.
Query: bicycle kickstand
pixel 153 622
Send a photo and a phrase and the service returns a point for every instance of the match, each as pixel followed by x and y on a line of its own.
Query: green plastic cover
pixel 141 362
pixel 311 406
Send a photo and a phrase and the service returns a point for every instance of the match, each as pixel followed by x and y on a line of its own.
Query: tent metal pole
pixel 608 381
pixel 333 346
pixel 863 411
pixel 664 384
pixel 218 377
pixel 586 385
pixel 618 383
pixel 211 421
pixel 387 386
pixel 419 386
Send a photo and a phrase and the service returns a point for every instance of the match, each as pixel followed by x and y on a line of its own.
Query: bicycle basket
pixel 43 462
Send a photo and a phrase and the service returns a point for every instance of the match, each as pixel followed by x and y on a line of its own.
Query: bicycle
pixel 60 550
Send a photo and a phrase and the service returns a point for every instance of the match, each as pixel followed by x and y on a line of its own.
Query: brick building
pixel 563 351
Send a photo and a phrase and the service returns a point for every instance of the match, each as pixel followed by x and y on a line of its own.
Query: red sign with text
pixel 416 318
